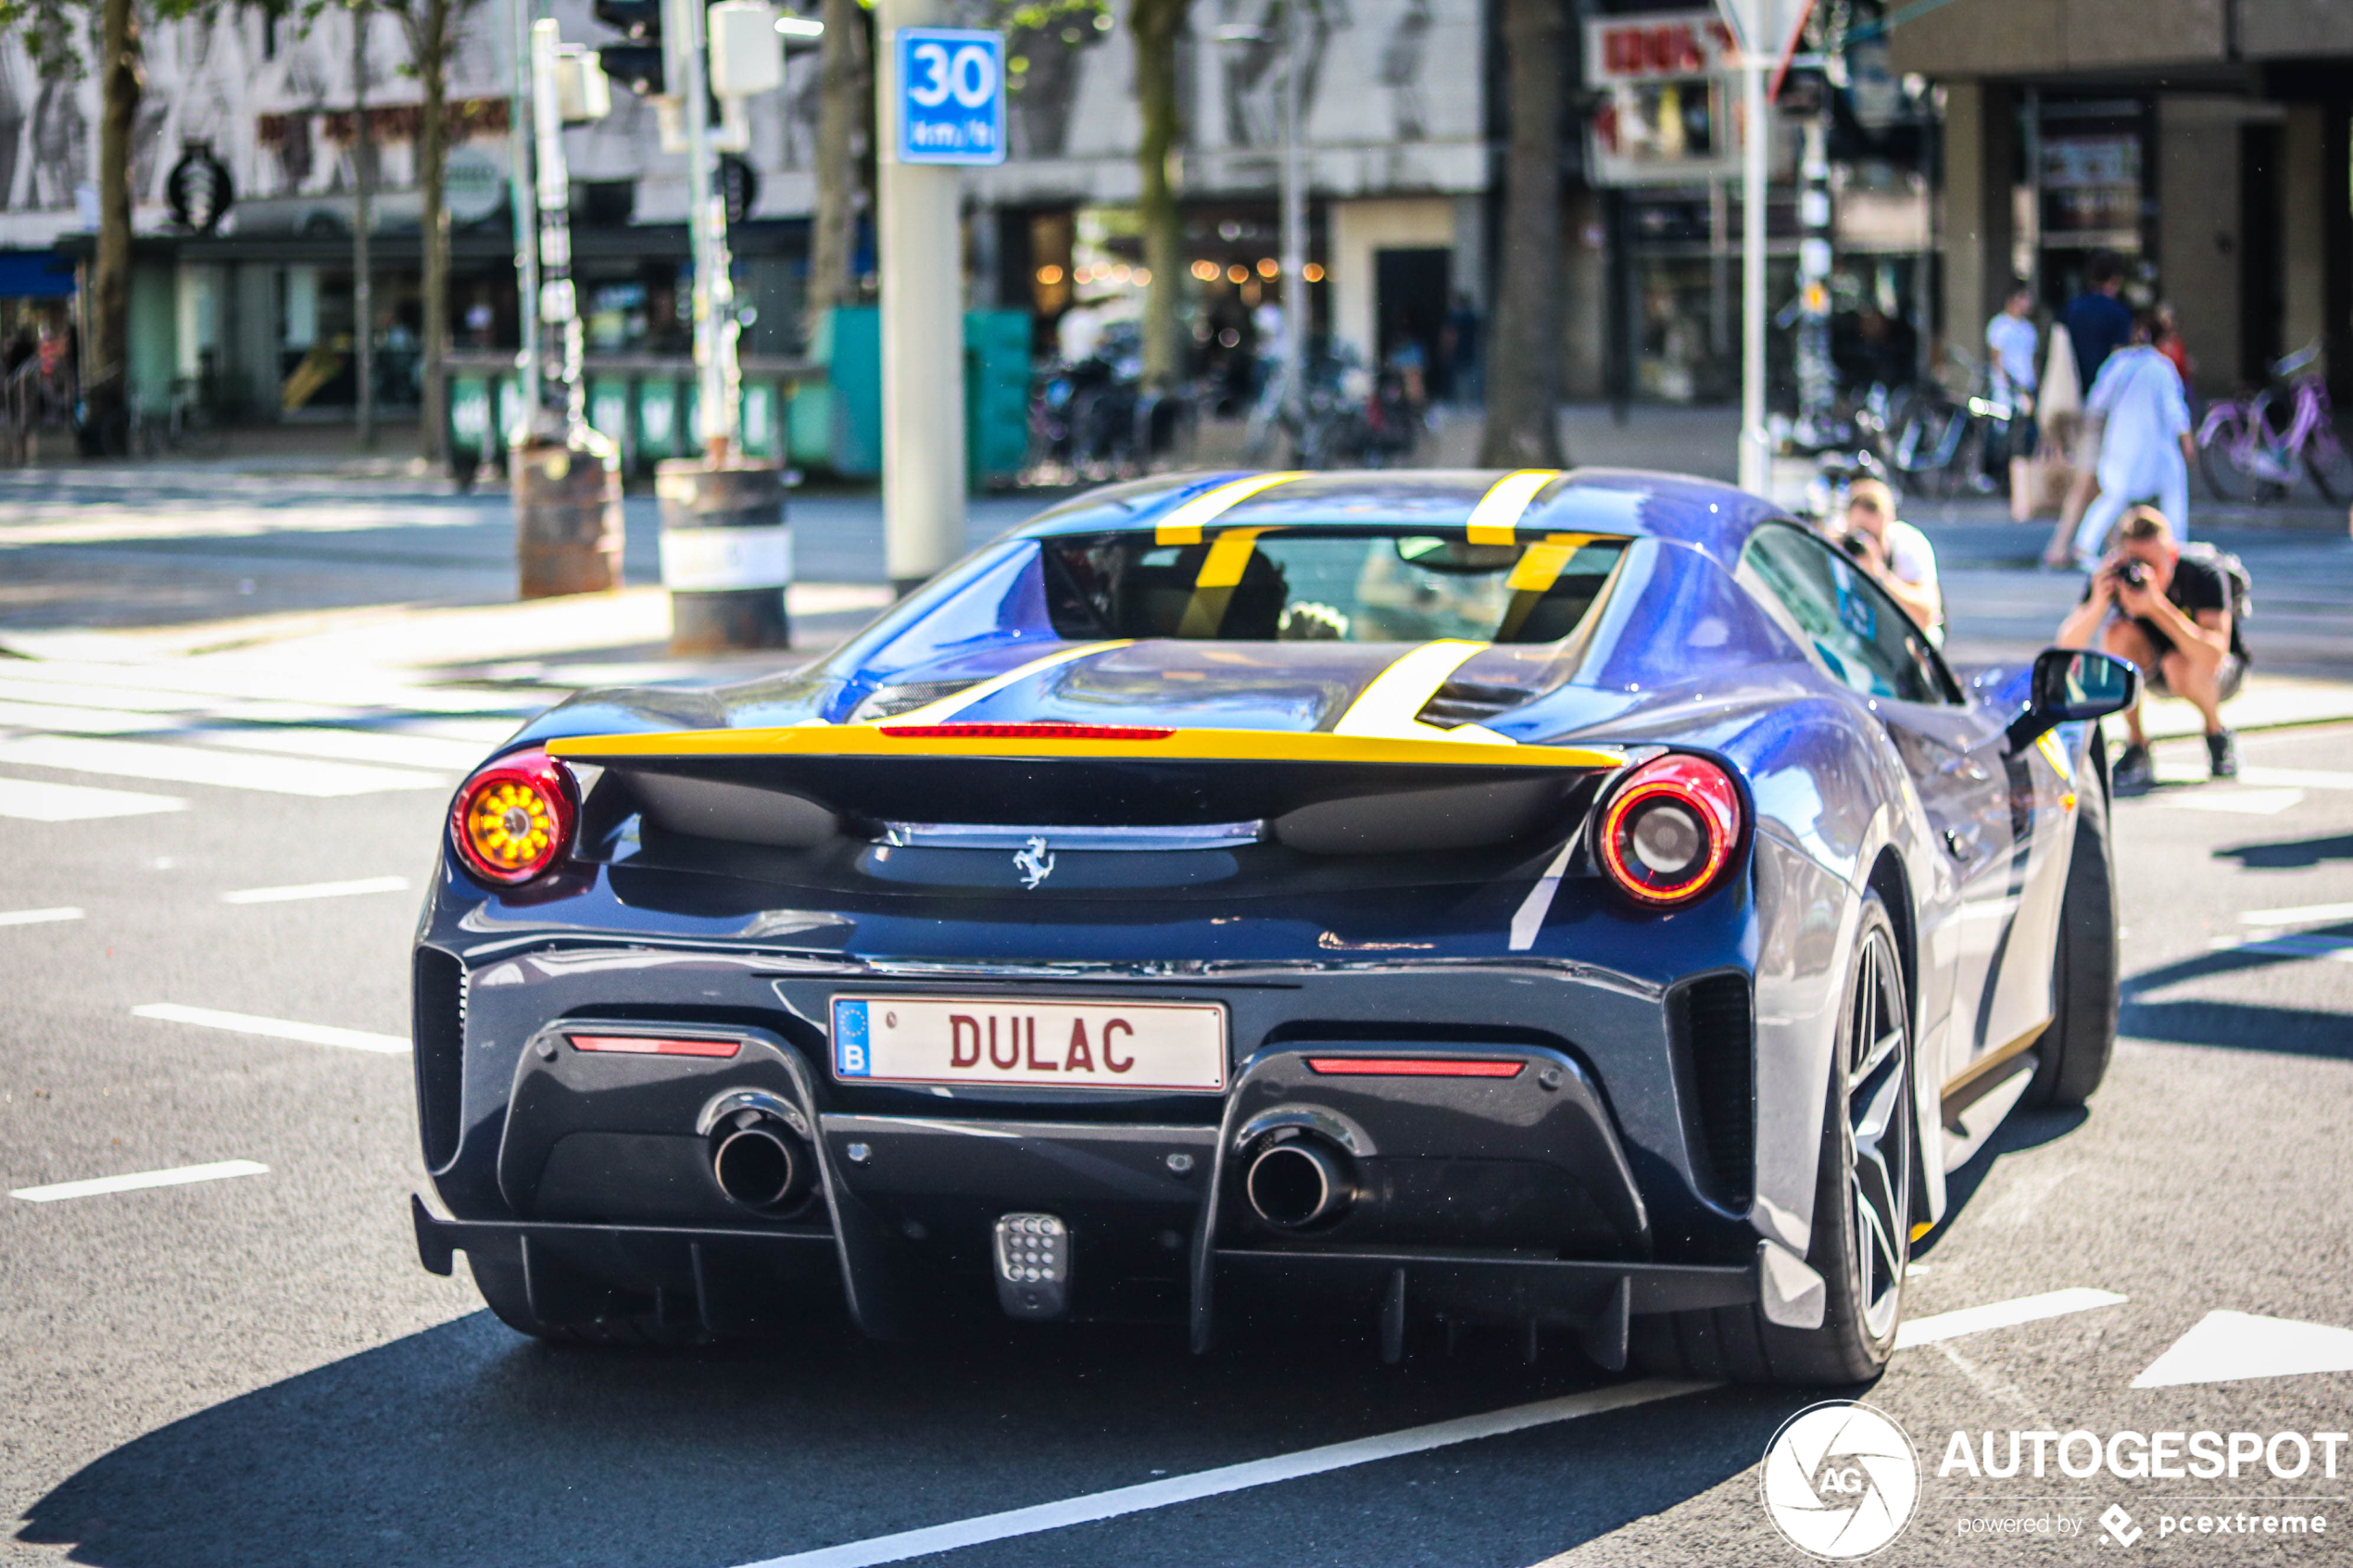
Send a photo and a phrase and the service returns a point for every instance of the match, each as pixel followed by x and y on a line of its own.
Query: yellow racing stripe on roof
pixel 1183 526
pixel 955 702
pixel 1388 704
pixel 1182 745
pixel 1495 521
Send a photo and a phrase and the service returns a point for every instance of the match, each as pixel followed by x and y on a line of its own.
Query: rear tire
pixel 2224 475
pixel 1862 1208
pixel 2331 467
pixel 2074 1052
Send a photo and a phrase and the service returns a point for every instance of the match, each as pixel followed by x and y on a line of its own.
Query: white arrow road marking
pixel 37 917
pixel 2228 1346
pixel 316 890
pixel 273 1028
pixel 182 1177
pixel 77 803
pixel 1229 1478
pixel 2004 1314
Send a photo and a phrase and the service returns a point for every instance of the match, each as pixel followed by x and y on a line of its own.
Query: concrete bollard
pixel 568 529
pixel 726 555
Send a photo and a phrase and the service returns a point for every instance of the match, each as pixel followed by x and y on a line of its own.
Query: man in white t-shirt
pixel 1895 553
pixel 2011 341
pixel 2145 445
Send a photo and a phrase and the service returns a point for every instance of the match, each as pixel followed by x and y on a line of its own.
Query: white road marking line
pixel 61 693
pixel 184 764
pixel 2229 1346
pixel 2290 945
pixel 81 720
pixel 2309 914
pixel 37 917
pixel 182 1177
pixel 1229 1478
pixel 352 745
pixel 2254 773
pixel 2004 1314
pixel 317 890
pixel 2239 802
pixel 273 1028
pixel 41 802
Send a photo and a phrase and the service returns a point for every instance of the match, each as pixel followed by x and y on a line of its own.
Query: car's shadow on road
pixel 466 1444
pixel 2019 1131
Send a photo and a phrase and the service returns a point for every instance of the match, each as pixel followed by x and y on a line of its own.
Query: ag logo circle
pixel 1840 1480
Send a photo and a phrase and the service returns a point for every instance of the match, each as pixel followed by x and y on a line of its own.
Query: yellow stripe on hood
pixel 1183 526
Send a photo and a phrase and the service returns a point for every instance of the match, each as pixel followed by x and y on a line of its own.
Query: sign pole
pixel 941 104
pixel 1755 456
pixel 1294 235
pixel 526 213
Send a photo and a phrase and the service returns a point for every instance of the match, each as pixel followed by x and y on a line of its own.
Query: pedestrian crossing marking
pixel 41 802
pixel 185 764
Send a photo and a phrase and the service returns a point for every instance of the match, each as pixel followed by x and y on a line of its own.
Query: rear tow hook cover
pixel 1033 1266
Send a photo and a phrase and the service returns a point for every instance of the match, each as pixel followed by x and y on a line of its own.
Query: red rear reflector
pixel 1412 1067
pixel 647 1045
pixel 1024 731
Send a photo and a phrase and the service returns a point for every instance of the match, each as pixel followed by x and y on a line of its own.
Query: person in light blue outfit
pixel 2145 445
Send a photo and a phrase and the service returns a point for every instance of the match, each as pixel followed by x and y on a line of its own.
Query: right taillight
pixel 1669 830
pixel 512 821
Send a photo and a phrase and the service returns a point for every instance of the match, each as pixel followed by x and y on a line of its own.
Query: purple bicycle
pixel 2247 456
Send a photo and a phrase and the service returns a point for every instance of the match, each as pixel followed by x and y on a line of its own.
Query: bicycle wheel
pixel 2330 465
pixel 2220 459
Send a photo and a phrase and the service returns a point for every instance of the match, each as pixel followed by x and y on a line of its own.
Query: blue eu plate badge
pixel 851 1057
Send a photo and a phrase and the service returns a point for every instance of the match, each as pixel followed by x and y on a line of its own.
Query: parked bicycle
pixel 2247 454
pixel 1940 442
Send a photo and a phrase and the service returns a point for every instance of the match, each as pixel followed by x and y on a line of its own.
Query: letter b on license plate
pixel 1178 1046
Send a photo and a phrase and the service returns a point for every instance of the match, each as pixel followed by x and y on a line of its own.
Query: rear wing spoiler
pixel 1315 791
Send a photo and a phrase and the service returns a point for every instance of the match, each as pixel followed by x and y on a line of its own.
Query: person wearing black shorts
pixel 2171 615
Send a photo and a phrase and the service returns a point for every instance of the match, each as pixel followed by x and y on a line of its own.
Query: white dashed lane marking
pixel 37 917
pixel 318 890
pixel 181 1177
pixel 2003 1314
pixel 1230 1478
pixel 2309 914
pixel 38 801
pixel 1150 1495
pixel 273 1028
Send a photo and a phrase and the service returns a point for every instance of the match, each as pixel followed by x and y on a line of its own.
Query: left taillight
pixel 512 819
pixel 1668 833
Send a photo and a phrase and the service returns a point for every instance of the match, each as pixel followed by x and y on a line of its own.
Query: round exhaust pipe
pixel 1298 1183
pixel 759 1164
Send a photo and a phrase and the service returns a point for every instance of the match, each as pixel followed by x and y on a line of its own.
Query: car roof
pixel 1714 518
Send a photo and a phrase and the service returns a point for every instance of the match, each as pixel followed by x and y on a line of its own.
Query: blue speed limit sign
pixel 952 96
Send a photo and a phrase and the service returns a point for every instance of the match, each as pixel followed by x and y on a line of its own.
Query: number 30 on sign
pixel 952 96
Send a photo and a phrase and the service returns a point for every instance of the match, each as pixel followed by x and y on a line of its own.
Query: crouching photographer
pixel 2175 614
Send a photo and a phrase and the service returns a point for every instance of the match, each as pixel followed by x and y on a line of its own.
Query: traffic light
pixel 639 65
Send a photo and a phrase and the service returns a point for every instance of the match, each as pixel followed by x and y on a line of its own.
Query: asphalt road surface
pixel 205 950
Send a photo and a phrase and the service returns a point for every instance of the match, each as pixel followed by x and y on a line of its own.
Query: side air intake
pixel 438 999
pixel 1713 1017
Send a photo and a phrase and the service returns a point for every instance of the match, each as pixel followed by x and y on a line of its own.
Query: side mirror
pixel 2073 685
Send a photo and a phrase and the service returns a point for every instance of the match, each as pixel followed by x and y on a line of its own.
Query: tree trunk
pixel 1156 25
pixel 429 29
pixel 841 99
pixel 1523 356
pixel 105 359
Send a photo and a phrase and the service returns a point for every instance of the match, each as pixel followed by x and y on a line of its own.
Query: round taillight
pixel 1669 831
pixel 513 818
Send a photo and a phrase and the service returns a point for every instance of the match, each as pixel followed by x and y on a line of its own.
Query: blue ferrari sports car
pixel 1573 902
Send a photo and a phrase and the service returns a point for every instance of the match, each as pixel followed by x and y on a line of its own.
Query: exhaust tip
pixel 1297 1184
pixel 756 1167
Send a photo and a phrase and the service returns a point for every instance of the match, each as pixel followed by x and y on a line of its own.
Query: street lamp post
pixel 1291 196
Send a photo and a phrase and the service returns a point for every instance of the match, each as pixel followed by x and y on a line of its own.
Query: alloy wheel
pixel 1880 1136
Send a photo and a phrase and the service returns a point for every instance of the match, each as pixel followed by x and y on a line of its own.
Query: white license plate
pixel 1018 1040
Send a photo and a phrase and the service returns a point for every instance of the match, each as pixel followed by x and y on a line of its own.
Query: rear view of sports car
pixel 1578 903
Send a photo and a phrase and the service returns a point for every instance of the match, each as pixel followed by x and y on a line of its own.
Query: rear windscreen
pixel 1249 584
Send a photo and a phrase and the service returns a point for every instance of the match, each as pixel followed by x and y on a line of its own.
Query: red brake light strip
pixel 1412 1067
pixel 1024 731
pixel 647 1045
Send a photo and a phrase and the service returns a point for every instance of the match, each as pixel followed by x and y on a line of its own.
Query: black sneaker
pixel 2222 754
pixel 2135 774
